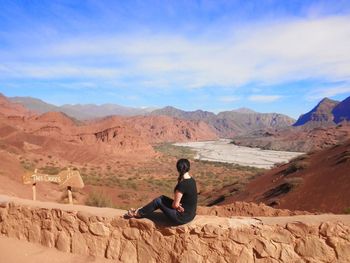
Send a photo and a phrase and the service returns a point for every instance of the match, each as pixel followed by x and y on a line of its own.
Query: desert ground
pixel 224 151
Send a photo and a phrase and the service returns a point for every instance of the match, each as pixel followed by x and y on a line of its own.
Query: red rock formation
pixel 159 129
pixel 99 141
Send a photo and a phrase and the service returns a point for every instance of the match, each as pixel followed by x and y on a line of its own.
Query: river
pixel 224 151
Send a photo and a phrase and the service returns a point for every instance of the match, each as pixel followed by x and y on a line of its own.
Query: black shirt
pixel 189 199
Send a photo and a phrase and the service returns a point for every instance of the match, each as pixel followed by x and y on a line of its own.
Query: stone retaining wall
pixel 207 239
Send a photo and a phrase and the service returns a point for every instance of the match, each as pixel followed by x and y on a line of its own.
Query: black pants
pixel 163 203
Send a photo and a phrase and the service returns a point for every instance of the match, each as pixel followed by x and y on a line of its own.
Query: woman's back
pixel 189 199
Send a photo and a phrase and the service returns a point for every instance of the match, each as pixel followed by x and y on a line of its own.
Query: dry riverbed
pixel 224 151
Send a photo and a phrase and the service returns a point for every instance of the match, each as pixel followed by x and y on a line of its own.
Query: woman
pixel 181 209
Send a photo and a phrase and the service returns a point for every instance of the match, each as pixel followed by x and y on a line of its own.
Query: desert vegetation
pixel 131 185
pixel 98 199
pixel 300 163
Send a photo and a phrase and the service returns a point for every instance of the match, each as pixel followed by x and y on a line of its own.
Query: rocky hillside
pixel 317 181
pixel 158 129
pixel 231 123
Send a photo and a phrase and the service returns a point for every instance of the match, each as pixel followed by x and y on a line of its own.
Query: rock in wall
pixel 93 231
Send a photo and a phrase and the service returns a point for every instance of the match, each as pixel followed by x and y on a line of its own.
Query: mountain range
pixel 226 124
pixel 80 111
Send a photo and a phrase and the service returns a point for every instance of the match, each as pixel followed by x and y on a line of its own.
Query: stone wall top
pixel 200 220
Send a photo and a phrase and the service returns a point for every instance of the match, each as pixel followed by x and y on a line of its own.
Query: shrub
pixel 295 181
pixel 28 165
pixel 296 166
pixel 347 210
pixel 279 164
pixel 98 199
pixel 52 170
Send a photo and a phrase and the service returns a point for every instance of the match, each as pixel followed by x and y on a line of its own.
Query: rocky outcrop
pixel 103 233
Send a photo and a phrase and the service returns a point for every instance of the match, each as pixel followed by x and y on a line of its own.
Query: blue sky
pixel 270 56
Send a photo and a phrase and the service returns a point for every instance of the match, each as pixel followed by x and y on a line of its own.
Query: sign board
pixel 65 178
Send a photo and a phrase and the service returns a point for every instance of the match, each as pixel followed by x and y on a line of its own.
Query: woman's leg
pixel 163 203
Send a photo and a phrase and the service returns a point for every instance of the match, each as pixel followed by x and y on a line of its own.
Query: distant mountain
pixel 231 123
pixel 341 112
pixel 326 113
pixel 225 124
pixel 181 114
pixel 244 110
pixel 80 111
pixel 314 130
pixel 320 115
pixel 34 104
pixel 8 108
pixel 245 122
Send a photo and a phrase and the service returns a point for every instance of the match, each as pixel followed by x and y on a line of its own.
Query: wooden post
pixel 70 198
pixel 34 191
pixel 34 186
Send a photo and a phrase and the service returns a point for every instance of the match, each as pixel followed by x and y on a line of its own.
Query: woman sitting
pixel 181 209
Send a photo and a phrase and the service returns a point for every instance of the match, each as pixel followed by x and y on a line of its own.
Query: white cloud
pixel 57 71
pixel 266 54
pixel 264 98
pixel 328 92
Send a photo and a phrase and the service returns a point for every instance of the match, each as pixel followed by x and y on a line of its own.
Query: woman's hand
pixel 176 204
pixel 180 209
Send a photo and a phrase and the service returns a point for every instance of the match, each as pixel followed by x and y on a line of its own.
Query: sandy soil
pixel 224 151
pixel 15 251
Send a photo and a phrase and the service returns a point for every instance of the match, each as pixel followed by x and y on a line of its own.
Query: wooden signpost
pixel 66 179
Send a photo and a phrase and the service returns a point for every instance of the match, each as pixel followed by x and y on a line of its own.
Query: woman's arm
pixel 176 203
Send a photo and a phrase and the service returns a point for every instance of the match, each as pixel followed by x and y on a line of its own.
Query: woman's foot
pixel 132 213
